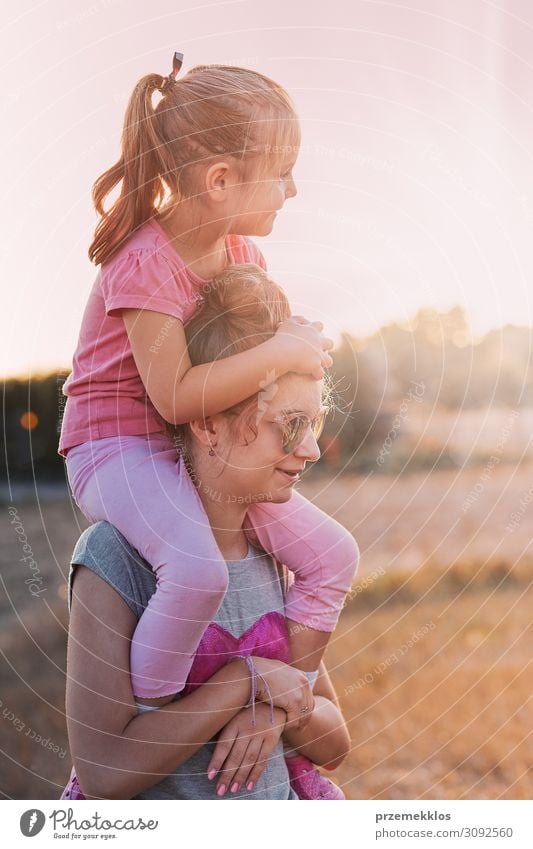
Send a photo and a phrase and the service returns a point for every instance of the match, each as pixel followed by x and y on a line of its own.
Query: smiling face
pixel 268 185
pixel 254 467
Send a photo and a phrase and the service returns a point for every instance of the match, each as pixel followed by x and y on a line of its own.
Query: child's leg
pixel 142 487
pixel 323 557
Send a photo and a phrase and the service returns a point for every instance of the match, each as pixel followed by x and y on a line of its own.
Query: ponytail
pixel 139 168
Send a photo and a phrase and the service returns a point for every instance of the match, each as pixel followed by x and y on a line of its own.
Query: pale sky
pixel 415 175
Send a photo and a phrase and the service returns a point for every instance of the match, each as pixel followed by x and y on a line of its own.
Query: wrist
pixel 250 670
pixel 280 717
pixel 279 359
pixel 242 676
pixel 260 690
pixel 278 713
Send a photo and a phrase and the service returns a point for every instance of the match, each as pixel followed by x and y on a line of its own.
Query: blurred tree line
pixel 432 357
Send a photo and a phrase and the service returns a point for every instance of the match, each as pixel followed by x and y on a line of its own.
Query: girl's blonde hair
pixel 214 110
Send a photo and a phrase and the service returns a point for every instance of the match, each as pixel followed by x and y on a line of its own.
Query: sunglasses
pixel 294 428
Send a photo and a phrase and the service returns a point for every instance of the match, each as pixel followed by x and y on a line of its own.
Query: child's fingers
pixel 327 343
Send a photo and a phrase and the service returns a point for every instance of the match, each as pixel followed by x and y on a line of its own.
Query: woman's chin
pixel 281 495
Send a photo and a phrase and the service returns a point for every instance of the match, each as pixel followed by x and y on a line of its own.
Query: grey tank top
pixel 254 589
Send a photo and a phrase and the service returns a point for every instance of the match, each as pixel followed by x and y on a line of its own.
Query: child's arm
pixel 181 392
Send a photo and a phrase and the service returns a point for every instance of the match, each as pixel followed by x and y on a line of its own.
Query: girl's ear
pixel 217 180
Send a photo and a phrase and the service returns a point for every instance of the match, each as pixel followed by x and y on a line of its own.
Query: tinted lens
pixel 318 424
pixel 294 432
pixel 296 428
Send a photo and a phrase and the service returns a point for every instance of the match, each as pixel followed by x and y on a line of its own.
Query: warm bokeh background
pixel 410 239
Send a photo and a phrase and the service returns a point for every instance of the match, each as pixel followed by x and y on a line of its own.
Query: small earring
pixel 211 452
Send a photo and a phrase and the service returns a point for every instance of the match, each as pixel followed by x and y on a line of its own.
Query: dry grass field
pixel 431 658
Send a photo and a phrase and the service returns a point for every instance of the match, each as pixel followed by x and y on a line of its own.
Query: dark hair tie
pixel 170 81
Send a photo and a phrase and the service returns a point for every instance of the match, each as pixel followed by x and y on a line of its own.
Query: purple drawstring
pixel 254 673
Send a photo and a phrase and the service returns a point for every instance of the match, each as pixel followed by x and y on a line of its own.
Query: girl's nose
pixel 290 189
pixel 308 448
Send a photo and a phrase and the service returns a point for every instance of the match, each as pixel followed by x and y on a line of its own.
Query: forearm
pixel 154 744
pixel 207 389
pixel 325 738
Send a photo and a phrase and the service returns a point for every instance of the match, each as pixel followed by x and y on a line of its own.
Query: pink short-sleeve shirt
pixel 105 393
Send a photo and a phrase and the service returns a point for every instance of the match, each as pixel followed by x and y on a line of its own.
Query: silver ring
pixel 304 709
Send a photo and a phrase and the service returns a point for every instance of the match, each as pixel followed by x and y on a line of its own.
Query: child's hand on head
pixel 305 346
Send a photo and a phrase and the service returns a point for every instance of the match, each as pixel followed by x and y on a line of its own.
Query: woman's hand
pixel 304 345
pixel 243 750
pixel 289 689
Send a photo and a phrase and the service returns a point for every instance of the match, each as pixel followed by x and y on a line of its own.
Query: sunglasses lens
pixel 318 425
pixel 295 431
pixel 293 435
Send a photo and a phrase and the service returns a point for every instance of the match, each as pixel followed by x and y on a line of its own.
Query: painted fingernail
pixel 211 774
pixel 250 785
pixel 234 787
pixel 221 790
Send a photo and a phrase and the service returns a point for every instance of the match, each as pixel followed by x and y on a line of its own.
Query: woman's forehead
pixel 295 393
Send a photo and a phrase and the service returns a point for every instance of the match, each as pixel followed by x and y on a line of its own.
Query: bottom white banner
pixel 261 824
